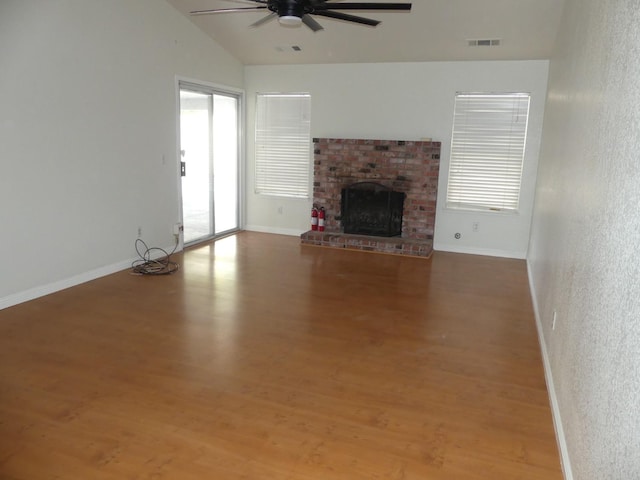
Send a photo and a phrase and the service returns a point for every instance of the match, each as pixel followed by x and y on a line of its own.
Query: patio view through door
pixel 209 149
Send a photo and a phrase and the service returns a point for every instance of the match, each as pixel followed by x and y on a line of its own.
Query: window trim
pixel 500 154
pixel 298 126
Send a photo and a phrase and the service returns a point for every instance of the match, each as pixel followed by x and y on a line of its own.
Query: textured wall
pixel 584 251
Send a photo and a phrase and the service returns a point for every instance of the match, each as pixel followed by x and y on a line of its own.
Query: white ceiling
pixel 434 30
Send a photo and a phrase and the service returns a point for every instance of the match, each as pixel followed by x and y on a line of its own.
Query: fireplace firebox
pixel 370 208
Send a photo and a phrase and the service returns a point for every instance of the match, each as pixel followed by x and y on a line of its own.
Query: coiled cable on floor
pixel 145 265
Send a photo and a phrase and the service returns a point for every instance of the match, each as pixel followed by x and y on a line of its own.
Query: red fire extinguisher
pixel 314 218
pixel 321 215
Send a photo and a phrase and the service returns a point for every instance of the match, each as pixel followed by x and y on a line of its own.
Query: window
pixel 283 145
pixel 487 151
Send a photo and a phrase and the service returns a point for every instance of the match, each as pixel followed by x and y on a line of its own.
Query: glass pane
pixel 225 162
pixel 195 145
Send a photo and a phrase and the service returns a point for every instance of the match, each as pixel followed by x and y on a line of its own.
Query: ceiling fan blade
pixel 362 6
pixel 227 10
pixel 346 17
pixel 263 20
pixel 311 23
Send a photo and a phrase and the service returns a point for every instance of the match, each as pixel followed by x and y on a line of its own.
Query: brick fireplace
pixel 404 166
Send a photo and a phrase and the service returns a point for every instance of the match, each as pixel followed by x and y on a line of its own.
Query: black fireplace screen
pixel 372 209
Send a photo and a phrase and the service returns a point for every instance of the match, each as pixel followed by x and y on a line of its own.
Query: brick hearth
pixel 393 245
pixel 405 166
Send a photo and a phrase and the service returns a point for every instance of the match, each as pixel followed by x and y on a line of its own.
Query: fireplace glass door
pixel 372 209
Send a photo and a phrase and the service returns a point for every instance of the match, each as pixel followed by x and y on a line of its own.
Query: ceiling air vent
pixel 484 42
pixel 288 48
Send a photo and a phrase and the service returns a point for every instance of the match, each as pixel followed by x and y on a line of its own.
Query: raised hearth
pixel 365 243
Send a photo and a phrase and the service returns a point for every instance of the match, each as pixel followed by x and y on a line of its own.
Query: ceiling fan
pixel 292 13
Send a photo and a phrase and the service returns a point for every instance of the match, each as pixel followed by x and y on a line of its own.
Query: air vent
pixel 484 42
pixel 288 48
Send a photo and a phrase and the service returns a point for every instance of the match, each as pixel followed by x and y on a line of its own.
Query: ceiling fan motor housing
pixel 289 8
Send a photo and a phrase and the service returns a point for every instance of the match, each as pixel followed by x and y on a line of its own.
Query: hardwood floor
pixel 263 359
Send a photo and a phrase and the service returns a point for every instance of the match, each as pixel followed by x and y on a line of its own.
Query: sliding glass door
pixel 209 147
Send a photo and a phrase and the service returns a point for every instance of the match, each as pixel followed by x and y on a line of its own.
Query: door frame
pixel 214 88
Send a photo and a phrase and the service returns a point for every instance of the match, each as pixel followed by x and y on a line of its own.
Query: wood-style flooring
pixel 263 359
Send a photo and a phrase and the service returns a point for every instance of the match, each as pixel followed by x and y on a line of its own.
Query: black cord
pixel 160 266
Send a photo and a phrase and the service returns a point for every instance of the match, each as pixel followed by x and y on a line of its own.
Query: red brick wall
pixel 404 166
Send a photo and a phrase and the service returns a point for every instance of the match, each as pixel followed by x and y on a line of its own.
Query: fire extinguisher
pixel 321 215
pixel 314 218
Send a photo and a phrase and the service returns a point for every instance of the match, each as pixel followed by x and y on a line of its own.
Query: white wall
pixel 88 134
pixel 402 101
pixel 585 244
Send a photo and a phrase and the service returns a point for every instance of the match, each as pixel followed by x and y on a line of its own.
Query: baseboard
pixel 275 230
pixel 42 290
pixel 553 399
pixel 489 252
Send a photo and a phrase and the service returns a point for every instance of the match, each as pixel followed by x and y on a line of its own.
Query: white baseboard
pixel 480 251
pixel 555 408
pixel 42 290
pixel 275 230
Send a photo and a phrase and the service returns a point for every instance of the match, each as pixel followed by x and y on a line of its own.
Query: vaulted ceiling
pixel 434 30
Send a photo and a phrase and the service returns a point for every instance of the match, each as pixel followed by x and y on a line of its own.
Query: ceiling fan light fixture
pixel 290 20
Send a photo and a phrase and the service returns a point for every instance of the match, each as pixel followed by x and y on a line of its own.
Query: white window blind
pixel 283 145
pixel 487 151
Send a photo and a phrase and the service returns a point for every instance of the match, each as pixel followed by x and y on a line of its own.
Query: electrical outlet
pixel 553 322
pixel 280 210
pixel 474 226
pixel 177 228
